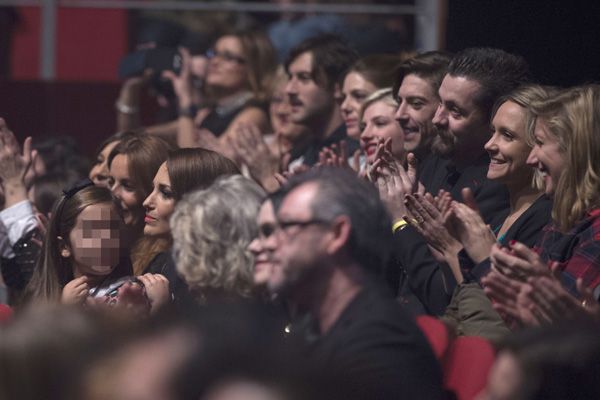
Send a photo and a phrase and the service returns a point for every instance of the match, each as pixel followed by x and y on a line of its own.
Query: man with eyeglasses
pixel 328 243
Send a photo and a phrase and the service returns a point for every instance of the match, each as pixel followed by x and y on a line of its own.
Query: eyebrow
pixel 163 186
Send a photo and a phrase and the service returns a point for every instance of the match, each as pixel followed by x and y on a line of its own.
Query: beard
pixel 444 143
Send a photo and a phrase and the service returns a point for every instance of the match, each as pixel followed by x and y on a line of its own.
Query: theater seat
pixel 465 360
pixel 5 312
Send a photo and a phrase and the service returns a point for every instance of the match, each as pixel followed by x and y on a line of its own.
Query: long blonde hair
pixel 573 118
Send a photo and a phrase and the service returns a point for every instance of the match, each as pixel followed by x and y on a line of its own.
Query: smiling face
pixel 94 242
pixel 99 172
pixel 379 123
pixel 508 148
pixel 125 190
pixel 418 103
pixel 159 205
pixel 262 246
pixel 309 102
pixel 460 122
pixel 547 156
pixel 227 66
pixel 355 90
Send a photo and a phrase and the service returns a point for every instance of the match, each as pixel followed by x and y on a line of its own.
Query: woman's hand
pixel 518 261
pixel 475 236
pixel 75 291
pixel 14 165
pixel 157 289
pixel 182 83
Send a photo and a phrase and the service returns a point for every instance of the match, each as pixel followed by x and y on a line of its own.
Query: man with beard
pixel 416 90
pixel 476 78
pixel 313 68
pixel 327 248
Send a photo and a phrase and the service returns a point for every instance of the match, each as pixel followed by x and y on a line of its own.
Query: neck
pixel 323 127
pixel 522 196
pixel 333 294
pixel 469 152
pixel 224 98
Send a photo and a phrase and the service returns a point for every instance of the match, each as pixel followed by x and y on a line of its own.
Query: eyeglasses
pixel 266 230
pixel 225 56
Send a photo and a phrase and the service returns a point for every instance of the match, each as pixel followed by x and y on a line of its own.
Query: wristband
pixel 189 111
pixel 399 225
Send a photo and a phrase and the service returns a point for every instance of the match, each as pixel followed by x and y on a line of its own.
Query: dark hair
pixel 48 189
pixel 558 362
pixel 261 61
pixel 331 57
pixel 117 137
pixel 340 192
pixel 430 66
pixel 196 168
pixel 378 69
pixel 496 71
pixel 61 153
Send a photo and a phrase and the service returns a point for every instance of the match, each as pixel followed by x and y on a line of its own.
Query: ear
pixel 340 230
pixel 65 249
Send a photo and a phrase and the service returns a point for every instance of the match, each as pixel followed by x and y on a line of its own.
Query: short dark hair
pixel 430 66
pixel 331 57
pixel 378 69
pixel 341 192
pixel 496 71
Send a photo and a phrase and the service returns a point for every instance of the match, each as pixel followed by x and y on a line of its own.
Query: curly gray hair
pixel 211 231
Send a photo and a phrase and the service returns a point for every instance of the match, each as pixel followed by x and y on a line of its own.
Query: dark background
pixel 560 39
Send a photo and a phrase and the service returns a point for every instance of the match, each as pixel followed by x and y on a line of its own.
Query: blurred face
pixel 125 190
pixel 379 123
pixel 301 246
pixel 279 109
pixel 94 242
pixel 547 156
pixel 418 103
pixel 159 205
pixel 507 147
pixel 355 91
pixel 309 102
pixel 227 65
pixel 458 119
pixel 262 247
pixel 504 380
pixel 99 172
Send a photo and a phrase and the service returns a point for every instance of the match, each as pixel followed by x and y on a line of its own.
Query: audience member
pixel 476 78
pixel 184 171
pixel 211 230
pixel 314 68
pixel 416 88
pixel 332 238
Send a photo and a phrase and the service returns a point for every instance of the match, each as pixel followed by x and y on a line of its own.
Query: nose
pixel 532 159
pixel 491 145
pixel 401 114
pixel 291 87
pixel 116 190
pixel 148 203
pixel 255 246
pixel 440 119
pixel 346 106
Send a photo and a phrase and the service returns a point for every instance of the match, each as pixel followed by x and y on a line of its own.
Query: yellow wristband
pixel 399 225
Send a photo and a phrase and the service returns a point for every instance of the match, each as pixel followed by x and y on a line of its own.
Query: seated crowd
pixel 298 229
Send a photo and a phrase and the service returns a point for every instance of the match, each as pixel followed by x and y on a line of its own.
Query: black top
pixel 424 277
pixel 218 119
pixel 526 229
pixel 376 347
pixel 311 153
pixel 163 264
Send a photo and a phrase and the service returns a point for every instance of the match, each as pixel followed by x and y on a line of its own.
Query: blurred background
pixel 59 59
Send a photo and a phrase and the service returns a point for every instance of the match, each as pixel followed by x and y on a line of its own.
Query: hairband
pixel 82 184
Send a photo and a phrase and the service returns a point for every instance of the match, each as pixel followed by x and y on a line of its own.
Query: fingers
pixel 469 199
pixel 170 75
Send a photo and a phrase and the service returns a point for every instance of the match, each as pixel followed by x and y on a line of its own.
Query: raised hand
pixel 518 261
pixel 182 83
pixel 76 291
pixel 475 236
